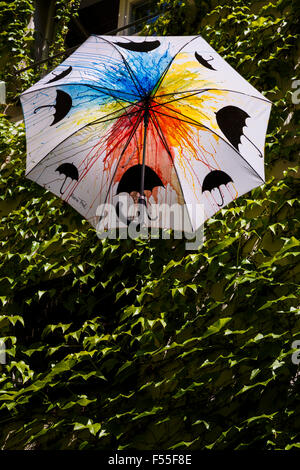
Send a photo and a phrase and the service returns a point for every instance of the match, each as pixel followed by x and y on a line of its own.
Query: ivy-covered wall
pixel 136 344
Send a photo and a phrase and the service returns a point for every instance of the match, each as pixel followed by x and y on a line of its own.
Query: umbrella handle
pixel 61 191
pixel 45 106
pixel 220 205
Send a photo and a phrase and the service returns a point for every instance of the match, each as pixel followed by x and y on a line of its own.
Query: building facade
pixel 94 17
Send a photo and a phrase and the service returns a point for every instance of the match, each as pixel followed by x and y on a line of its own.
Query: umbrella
pixel 161 120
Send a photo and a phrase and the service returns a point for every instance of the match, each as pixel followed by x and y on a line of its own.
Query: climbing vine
pixel 122 344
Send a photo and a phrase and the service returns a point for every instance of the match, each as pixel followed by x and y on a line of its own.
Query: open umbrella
pixel 164 120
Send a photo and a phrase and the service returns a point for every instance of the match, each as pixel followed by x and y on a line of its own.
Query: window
pixel 133 10
pixel 103 16
pixel 141 9
pixel 95 17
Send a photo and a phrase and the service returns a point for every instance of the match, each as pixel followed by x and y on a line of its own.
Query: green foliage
pixel 64 11
pixel 15 43
pixel 141 344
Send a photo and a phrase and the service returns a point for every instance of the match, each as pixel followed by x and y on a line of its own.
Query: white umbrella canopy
pixel 162 120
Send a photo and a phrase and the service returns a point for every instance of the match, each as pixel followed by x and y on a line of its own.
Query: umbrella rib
pixel 165 144
pixel 138 121
pixel 161 79
pixel 177 112
pixel 100 89
pixel 108 94
pixel 100 121
pixel 202 90
pixel 89 124
pixel 191 120
pixel 110 114
pixel 128 114
pixel 171 101
pixel 195 123
pixel 109 153
pixel 133 77
pixel 78 130
pixel 176 99
pixel 104 140
pixel 63 159
pixel 161 135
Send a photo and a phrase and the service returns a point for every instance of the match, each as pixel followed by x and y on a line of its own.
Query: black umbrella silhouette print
pixel 145 46
pixel 61 75
pixel 70 171
pixel 62 106
pixel 204 62
pixel 232 120
pixel 131 182
pixel 214 180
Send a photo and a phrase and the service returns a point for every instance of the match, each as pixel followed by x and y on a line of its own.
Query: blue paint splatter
pixel 128 77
